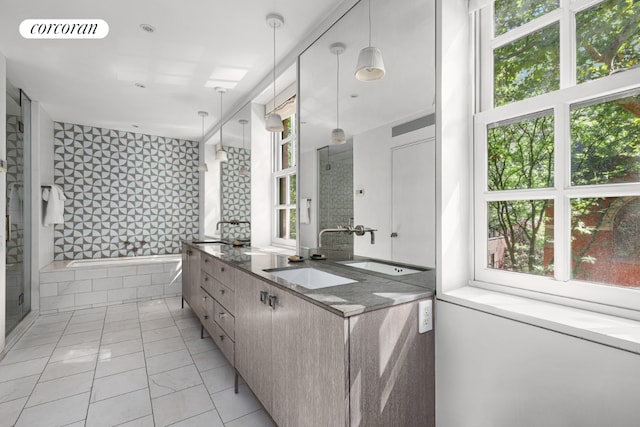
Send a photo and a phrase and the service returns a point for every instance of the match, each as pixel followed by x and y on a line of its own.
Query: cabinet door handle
pixel 206 260
pixel 222 315
pixel 221 337
pixel 221 291
pixel 272 301
pixel 263 296
pixel 222 269
pixel 204 299
pixel 206 316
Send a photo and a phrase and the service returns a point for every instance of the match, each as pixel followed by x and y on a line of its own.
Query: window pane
pixel 520 154
pixel 282 190
pixel 286 155
pixel 281 232
pixel 520 236
pixel 608 38
pixel 510 14
pixel 292 224
pixel 605 142
pixel 527 67
pixel 605 236
pixel 287 123
pixel 292 189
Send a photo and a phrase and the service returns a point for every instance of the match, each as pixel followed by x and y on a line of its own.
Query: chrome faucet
pixel 232 222
pixel 359 230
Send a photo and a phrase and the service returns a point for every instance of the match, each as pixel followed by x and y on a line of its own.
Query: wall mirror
pixel 383 176
pixel 233 178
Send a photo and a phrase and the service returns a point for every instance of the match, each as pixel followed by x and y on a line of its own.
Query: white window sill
pixel 605 329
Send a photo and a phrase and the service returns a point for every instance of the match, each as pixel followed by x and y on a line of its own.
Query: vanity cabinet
pixel 311 367
pixel 190 276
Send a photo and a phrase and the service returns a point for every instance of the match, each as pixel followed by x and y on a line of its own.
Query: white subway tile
pixel 58 302
pixel 91 273
pixel 107 284
pixel 48 290
pixel 56 276
pixel 150 268
pixel 150 291
pixel 91 298
pixel 122 271
pixel 74 287
pixel 121 294
pixel 161 278
pixel 135 281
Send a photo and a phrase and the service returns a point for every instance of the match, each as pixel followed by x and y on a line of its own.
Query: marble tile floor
pixel 139 364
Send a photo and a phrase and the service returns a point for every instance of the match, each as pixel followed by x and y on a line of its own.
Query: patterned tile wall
pixel 236 194
pixel 122 186
pixel 15 181
pixel 336 196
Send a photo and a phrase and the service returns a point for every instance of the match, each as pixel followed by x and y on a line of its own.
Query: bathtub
pixel 123 261
pixel 90 283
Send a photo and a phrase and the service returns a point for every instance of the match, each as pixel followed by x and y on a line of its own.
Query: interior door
pixel 18 295
pixel 413 184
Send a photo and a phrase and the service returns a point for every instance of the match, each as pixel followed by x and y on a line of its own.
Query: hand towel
pixel 15 203
pixel 54 211
pixel 305 206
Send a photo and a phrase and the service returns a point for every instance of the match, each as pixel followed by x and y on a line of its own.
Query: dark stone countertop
pixel 371 291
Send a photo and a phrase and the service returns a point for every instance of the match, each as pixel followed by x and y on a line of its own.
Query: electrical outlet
pixel 425 316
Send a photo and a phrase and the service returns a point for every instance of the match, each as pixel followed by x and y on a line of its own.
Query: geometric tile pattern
pixel 138 364
pixel 15 177
pixel 335 173
pixel 124 186
pixel 236 194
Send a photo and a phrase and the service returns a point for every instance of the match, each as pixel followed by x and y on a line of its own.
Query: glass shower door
pixel 18 296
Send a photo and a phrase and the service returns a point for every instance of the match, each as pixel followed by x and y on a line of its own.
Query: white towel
pixel 15 203
pixel 305 207
pixel 54 211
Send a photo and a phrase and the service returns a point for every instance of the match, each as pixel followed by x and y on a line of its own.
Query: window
pixel 284 182
pixel 557 148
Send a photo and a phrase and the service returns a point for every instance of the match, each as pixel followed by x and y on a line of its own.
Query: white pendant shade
pixel 338 136
pixel 370 64
pixel 274 123
pixel 221 156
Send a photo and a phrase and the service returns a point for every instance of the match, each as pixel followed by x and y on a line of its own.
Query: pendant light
pixel 244 171
pixel 202 167
pixel 274 121
pixel 337 135
pixel 370 65
pixel 221 155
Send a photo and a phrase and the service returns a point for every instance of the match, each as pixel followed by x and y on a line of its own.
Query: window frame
pixel 277 144
pixel 562 192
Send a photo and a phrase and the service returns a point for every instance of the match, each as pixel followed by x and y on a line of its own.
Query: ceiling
pixel 208 43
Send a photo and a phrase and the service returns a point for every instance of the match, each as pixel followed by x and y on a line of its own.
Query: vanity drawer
pixel 225 319
pixel 205 306
pixel 218 269
pixel 225 296
pixel 206 282
pixel 224 343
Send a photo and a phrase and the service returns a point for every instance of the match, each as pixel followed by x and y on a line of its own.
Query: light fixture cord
pixel 221 93
pixel 369 23
pixel 274 66
pixel 338 90
pixel 203 128
pixel 243 136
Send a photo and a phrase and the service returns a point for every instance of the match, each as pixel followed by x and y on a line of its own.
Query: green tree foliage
pixel 605 136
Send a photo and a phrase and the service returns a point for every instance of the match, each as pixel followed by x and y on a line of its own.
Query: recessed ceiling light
pixel 147 28
pixel 135 126
pixel 140 85
pixel 354 95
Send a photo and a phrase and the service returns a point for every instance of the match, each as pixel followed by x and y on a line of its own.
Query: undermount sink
pixel 379 267
pixel 310 278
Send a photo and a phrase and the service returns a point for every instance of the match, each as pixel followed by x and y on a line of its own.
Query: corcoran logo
pixel 64 29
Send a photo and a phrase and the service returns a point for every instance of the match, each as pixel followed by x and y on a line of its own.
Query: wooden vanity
pixel 308 364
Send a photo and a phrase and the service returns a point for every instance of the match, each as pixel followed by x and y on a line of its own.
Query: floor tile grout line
pixel 43 369
pixel 245 415
pixel 144 357
pixel 95 368
pixel 55 400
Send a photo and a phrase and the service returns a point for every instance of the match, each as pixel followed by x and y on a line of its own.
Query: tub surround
pixel 372 291
pixel 65 287
pixel 123 186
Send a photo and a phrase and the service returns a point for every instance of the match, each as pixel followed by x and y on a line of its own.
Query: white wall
pixel 42 161
pixel 261 199
pixel 308 189
pixel 496 372
pixel 210 189
pixel 3 199
pixel 372 173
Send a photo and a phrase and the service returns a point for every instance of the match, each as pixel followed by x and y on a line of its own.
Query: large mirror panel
pixel 383 177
